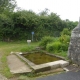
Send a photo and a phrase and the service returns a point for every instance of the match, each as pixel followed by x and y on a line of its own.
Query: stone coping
pixel 51 65
pixel 45 66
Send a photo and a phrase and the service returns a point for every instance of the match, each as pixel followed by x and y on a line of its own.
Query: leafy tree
pixel 7 5
pixel 6 27
pixel 20 24
pixel 44 12
pixel 24 23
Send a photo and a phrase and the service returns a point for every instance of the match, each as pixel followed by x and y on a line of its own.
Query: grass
pixel 6 48
pixel 62 54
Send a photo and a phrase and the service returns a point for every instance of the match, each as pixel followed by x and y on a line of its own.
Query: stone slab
pixel 64 63
pixel 16 65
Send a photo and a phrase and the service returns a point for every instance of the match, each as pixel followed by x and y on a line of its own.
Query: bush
pixel 64 39
pixel 45 41
pixel 66 31
pixel 55 44
pixel 55 47
pixel 64 47
pixel 49 47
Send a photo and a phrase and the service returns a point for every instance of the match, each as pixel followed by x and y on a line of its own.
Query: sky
pixel 67 9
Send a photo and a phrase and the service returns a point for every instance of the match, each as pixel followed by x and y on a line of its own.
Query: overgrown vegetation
pixel 45 41
pixel 57 45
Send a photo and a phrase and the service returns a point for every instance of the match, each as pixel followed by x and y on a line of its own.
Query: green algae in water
pixel 40 58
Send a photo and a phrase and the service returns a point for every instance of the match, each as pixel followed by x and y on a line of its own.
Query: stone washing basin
pixel 45 66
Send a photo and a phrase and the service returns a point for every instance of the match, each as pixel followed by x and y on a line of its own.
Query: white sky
pixel 67 9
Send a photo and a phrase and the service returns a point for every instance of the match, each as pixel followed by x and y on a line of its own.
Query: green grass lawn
pixel 6 48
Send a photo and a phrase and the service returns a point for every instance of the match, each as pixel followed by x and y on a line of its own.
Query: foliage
pixel 59 45
pixel 62 54
pixel 66 31
pixel 64 47
pixel 7 5
pixel 64 39
pixel 6 27
pixel 45 41
pixel 54 47
pixel 19 25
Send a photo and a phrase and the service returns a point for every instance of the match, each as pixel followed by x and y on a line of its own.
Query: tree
pixel 7 5
pixel 24 23
pixel 20 24
pixel 6 27
pixel 44 12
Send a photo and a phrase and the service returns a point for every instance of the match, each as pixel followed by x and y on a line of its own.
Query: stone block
pixel 64 63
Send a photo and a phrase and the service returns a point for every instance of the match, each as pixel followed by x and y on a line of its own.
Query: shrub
pixel 66 31
pixel 49 47
pixel 55 47
pixel 64 47
pixel 64 39
pixel 45 41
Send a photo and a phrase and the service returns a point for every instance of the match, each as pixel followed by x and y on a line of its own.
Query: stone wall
pixel 74 46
